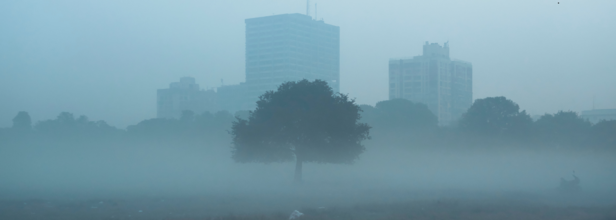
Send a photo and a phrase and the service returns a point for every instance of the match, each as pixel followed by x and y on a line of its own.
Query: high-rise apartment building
pixel 288 47
pixel 184 95
pixel 444 85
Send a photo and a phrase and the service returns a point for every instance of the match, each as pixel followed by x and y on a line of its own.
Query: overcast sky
pixel 105 59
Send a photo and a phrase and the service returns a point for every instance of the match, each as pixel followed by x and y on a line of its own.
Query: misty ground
pixel 370 205
pixel 169 180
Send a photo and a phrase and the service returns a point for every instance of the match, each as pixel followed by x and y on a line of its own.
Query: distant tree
pixel 22 122
pixel 187 116
pixel 562 128
pixel 402 114
pixel 66 125
pixel 206 126
pixel 304 121
pixel 603 134
pixel 368 113
pixel 242 114
pixel 155 128
pixel 496 117
pixel 223 120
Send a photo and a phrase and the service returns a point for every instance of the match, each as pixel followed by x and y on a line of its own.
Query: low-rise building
pixel 597 115
pixel 185 95
pixel 233 98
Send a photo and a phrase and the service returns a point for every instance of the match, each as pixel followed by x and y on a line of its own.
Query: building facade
pixel 279 48
pixel 444 85
pixel 185 95
pixel 289 47
pixel 597 115
pixel 233 98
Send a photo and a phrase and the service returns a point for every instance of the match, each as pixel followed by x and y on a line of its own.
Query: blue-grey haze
pixel 105 59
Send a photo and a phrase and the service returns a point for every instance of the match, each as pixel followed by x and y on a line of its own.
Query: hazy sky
pixel 105 59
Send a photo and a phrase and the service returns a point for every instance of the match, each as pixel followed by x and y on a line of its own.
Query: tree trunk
pixel 298 170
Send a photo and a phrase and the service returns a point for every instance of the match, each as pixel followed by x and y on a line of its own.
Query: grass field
pixel 240 207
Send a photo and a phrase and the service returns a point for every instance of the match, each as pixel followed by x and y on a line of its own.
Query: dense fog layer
pixel 408 157
pixel 178 168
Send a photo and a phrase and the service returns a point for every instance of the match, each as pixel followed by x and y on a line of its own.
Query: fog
pixel 75 167
pixel 78 108
pixel 383 173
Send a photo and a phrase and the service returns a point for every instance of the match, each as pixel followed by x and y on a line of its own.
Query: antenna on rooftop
pixel 308 7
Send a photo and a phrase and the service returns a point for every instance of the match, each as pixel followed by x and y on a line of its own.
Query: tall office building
pixel 279 48
pixel 289 47
pixel 444 85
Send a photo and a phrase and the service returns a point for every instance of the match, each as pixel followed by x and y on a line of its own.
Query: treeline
pixel 488 122
pixel 191 128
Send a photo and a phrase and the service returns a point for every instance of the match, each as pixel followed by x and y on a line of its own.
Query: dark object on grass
pixel 570 186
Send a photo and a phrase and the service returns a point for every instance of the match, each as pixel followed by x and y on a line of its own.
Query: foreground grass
pixel 191 209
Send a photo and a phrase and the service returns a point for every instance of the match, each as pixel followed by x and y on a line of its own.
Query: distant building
pixel 185 95
pixel 279 48
pixel 597 115
pixel 282 48
pixel 444 85
pixel 233 98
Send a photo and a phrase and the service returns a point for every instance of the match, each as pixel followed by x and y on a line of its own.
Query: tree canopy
pixel 190 125
pixel 562 128
pixel 399 114
pixel 22 121
pixel 497 117
pixel 304 121
pixel 603 134
pixel 66 125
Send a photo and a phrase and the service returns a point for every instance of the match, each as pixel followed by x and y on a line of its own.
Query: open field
pixel 368 205
pixel 145 182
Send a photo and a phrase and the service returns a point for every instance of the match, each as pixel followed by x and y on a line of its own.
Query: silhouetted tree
pixel 401 121
pixel 496 117
pixel 67 127
pixel 22 122
pixel 206 126
pixel 562 128
pixel 302 120
pixel 368 113
pixel 242 114
pixel 402 114
pixel 187 116
pixel 154 128
pixel 603 134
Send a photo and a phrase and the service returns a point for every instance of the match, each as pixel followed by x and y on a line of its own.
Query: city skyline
pixel 554 58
